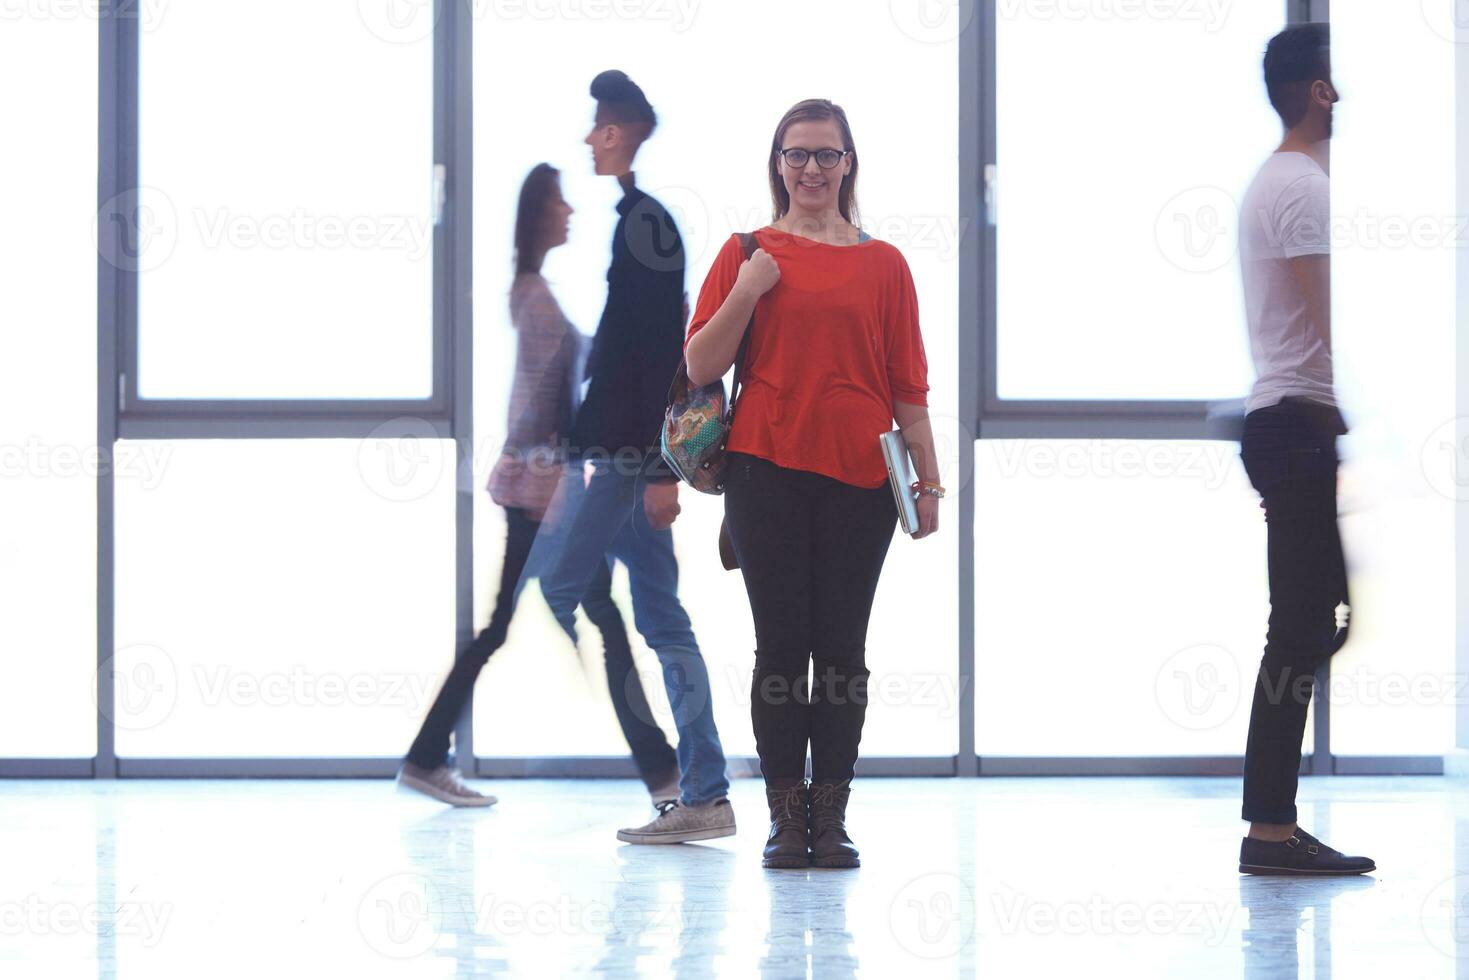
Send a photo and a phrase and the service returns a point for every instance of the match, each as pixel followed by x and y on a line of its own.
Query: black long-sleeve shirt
pixel 639 339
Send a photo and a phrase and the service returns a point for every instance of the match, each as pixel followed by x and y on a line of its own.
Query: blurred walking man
pixel 628 505
pixel 1289 447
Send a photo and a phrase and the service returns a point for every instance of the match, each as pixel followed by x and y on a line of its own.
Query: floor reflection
pixel 808 924
pixel 1288 931
pixel 959 878
pixel 672 898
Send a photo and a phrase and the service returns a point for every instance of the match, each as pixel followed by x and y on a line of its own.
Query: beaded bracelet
pixel 924 486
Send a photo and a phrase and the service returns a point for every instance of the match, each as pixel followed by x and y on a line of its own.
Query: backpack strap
pixel 680 384
pixel 748 243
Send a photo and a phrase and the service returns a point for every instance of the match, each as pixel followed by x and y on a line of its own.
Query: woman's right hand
pixel 759 273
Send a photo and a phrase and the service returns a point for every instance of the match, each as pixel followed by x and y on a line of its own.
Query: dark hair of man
pixel 1295 58
pixel 621 101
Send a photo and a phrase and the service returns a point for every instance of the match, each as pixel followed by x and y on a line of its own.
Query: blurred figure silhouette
pixel 626 506
pixel 1289 447
pixel 543 400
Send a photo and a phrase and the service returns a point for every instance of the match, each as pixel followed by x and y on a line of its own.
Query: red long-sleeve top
pixel 835 341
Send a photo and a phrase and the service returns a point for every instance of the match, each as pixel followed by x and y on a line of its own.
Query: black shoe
pixel 786 847
pixel 1301 854
pixel 830 845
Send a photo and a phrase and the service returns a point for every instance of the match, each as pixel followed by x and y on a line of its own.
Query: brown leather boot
pixel 786 847
pixel 830 845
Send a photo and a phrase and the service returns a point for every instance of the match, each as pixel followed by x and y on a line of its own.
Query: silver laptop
pixel 900 478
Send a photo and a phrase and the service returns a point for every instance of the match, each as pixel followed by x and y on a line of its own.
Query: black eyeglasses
pixel 825 159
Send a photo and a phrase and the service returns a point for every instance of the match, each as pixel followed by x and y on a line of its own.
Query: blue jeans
pixel 588 522
pixel 656 761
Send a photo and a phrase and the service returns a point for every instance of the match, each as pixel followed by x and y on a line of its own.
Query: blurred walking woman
pixel 835 356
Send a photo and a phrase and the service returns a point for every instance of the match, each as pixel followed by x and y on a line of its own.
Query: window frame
pixel 993 417
pixel 185 418
pixel 449 409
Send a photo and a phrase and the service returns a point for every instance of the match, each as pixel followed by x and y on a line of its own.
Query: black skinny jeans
pixel 655 758
pixel 1289 452
pixel 811 549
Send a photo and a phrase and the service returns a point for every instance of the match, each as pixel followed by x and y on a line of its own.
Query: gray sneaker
pixel 443 784
pixel 676 822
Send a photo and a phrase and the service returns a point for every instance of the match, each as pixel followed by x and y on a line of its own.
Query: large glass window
pixel 718 103
pixel 283 225
pixel 48 386
pixel 1395 685
pixel 1120 598
pixel 1126 134
pixel 282 598
pixel 1151 310
pixel 288 598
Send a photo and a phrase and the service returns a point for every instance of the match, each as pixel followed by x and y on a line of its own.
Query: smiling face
pixel 813 190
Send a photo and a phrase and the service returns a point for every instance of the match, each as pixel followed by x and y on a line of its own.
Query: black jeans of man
pixel 655 758
pixel 811 549
pixel 1289 453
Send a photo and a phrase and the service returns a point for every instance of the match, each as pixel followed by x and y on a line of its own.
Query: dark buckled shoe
pixel 830 845
pixel 786 847
pixel 1300 854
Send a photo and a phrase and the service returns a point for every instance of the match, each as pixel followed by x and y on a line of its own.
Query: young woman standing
pixel 835 356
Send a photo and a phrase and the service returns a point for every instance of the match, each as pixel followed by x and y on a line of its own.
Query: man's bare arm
pixel 1313 275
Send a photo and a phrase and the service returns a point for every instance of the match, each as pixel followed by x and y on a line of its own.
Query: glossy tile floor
pixel 992 877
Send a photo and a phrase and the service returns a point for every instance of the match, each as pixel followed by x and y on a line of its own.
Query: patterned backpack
pixel 697 422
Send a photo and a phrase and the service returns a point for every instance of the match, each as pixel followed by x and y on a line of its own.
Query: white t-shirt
pixel 1286 213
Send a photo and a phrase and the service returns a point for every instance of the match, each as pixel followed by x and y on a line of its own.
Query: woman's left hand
pixel 928 516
